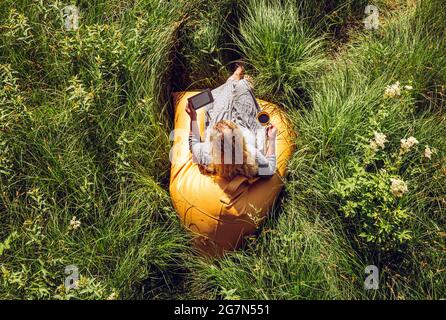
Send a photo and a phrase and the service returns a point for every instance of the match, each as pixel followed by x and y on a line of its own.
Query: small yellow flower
pixel 82 282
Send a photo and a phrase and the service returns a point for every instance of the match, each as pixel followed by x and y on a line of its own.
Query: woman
pixel 234 140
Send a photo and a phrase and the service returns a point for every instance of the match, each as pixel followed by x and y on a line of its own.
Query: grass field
pixel 85 118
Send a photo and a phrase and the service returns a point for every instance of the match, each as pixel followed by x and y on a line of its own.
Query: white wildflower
pixel 408 143
pixel 398 187
pixel 74 223
pixel 393 90
pixel 408 88
pixel 412 141
pixel 428 152
pixel 378 141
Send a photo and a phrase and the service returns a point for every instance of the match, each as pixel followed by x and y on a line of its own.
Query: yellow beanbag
pixel 221 213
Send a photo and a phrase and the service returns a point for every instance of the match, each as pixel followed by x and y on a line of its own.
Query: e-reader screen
pixel 201 99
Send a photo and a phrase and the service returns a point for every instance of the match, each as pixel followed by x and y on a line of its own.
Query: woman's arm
pixel 194 131
pixel 267 164
pixel 271 133
pixel 197 148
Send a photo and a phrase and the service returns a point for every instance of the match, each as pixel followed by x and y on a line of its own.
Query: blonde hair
pixel 229 153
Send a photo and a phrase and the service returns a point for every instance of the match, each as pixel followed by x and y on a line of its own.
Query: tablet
pixel 201 99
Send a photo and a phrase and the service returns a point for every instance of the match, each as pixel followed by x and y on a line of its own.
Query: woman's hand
pixel 191 111
pixel 271 131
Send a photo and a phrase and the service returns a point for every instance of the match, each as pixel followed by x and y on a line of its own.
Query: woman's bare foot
pixel 239 73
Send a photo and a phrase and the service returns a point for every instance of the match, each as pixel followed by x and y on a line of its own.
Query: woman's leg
pixel 238 74
pixel 227 100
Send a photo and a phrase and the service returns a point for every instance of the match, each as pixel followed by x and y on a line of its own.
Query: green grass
pixel 283 53
pixel 345 105
pixel 85 118
pixel 86 131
